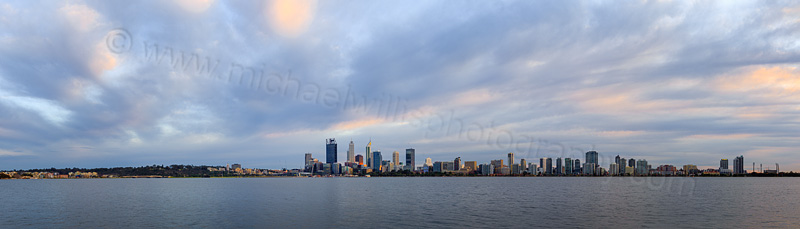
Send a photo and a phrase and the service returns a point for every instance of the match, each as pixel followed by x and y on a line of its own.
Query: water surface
pixel 403 202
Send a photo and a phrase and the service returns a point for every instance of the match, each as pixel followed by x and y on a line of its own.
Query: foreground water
pixel 402 202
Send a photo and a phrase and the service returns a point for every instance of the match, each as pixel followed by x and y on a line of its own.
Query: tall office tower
pixel 497 165
pixel 457 163
pixel 331 151
pixel 510 159
pixel 351 153
pixel 738 165
pixel 308 160
pixel 568 168
pixel 641 168
pixel 549 168
pixel 410 159
pixel 360 159
pixel 541 163
pixel 559 168
pixel 621 166
pixel 428 162
pixel 577 168
pixel 591 157
pixel 396 158
pixel 723 164
pixel 377 159
pixel 632 163
pixel 616 159
pixel 369 154
pixel 523 164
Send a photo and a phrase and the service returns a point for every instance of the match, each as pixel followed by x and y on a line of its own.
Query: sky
pixel 129 83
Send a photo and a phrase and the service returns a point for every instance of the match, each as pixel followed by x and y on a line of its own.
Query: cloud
pixel 8 153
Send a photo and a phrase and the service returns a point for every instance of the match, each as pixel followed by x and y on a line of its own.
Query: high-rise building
pixel 589 169
pixel 369 154
pixel 559 167
pixel 351 153
pixel 738 165
pixel 396 158
pixel 690 169
pixel 377 159
pixel 591 157
pixel 470 165
pixel 621 166
pixel 437 166
pixel 616 159
pixel 632 163
pixel 457 163
pixel 497 165
pixel 486 169
pixel 308 160
pixel 448 166
pixel 568 166
pixel 410 159
pixel 613 169
pixel 577 169
pixel 360 159
pixel 331 151
pixel 642 169
pixel 428 162
pixel 510 159
pixel 542 164
pixel 547 164
pixel 523 164
pixel 723 164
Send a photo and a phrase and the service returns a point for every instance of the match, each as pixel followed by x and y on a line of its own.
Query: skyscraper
pixel 523 164
pixel 723 164
pixel 498 165
pixel 559 168
pixel 376 160
pixel 308 160
pixel 632 163
pixel 738 165
pixel 457 163
pixel 331 151
pixel 616 159
pixel 641 168
pixel 369 154
pixel 591 157
pixel 549 166
pixel 543 164
pixel 510 159
pixel 351 153
pixel 396 158
pixel 410 159
pixel 577 168
pixel 568 166
pixel 621 166
pixel 428 162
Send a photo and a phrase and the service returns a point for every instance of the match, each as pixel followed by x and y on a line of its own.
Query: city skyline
pixel 546 166
pixel 98 83
pixel 561 165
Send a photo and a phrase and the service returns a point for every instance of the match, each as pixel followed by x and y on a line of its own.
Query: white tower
pixel 351 154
